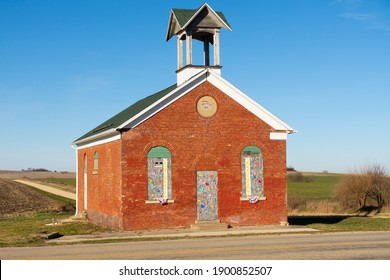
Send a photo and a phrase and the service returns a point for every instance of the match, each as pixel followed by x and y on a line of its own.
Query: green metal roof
pixel 221 15
pixel 184 15
pixel 252 150
pixel 127 113
pixel 159 152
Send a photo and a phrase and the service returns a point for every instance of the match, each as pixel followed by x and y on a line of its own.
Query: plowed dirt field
pixel 16 198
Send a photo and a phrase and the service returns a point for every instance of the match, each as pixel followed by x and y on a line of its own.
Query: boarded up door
pixel 207 195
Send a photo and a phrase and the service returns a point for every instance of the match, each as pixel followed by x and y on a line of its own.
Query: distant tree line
pixel 290 168
pixel 35 170
pixel 300 178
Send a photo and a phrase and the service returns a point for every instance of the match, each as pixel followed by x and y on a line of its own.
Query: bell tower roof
pixel 205 16
pixel 202 24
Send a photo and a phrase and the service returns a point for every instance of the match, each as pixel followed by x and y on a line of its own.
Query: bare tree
pixel 379 184
pixel 353 191
pixel 370 183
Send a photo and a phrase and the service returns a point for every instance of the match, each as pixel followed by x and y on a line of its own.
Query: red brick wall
pixel 197 143
pixel 104 188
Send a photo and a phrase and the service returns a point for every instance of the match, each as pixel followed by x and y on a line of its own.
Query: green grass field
pixel 63 181
pixel 312 193
pixel 322 186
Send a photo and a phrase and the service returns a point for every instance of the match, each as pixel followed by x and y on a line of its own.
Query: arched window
pixel 159 174
pixel 252 172
pixel 95 163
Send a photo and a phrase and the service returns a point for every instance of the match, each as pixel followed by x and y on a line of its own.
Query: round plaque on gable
pixel 206 106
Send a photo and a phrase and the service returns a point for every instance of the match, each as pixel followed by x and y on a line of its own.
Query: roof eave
pixel 292 131
pixel 96 137
pixel 171 16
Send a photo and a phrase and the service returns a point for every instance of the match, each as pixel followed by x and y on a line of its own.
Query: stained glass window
pixel 159 174
pixel 95 163
pixel 252 172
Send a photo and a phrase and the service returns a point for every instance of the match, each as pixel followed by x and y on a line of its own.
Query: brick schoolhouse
pixel 198 151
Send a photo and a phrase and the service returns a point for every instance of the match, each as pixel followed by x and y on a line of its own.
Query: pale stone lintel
pixel 157 202
pixel 278 136
pixel 246 199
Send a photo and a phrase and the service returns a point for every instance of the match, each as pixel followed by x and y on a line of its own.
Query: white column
pixel 179 52
pixel 206 52
pixel 189 49
pixel 216 48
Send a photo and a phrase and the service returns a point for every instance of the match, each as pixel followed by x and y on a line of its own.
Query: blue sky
pixel 321 66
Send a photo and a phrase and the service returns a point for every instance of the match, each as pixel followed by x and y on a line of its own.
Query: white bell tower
pixel 203 24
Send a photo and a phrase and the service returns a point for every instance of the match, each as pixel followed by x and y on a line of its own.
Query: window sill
pixel 94 172
pixel 247 199
pixel 158 202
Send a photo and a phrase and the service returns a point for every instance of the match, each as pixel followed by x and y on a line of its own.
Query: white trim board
pixel 100 141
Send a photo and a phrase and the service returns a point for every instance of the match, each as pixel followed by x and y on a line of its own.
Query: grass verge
pixel 25 229
pixel 342 223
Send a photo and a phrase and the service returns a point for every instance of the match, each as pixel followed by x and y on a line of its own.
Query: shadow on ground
pixel 307 220
pixel 368 210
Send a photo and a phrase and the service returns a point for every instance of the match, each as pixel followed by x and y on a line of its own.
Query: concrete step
pixel 81 217
pixel 209 225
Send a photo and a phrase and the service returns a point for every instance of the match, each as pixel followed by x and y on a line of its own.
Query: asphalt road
pixel 334 246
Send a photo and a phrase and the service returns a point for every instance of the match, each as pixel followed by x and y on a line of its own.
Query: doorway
pixel 85 181
pixel 207 195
